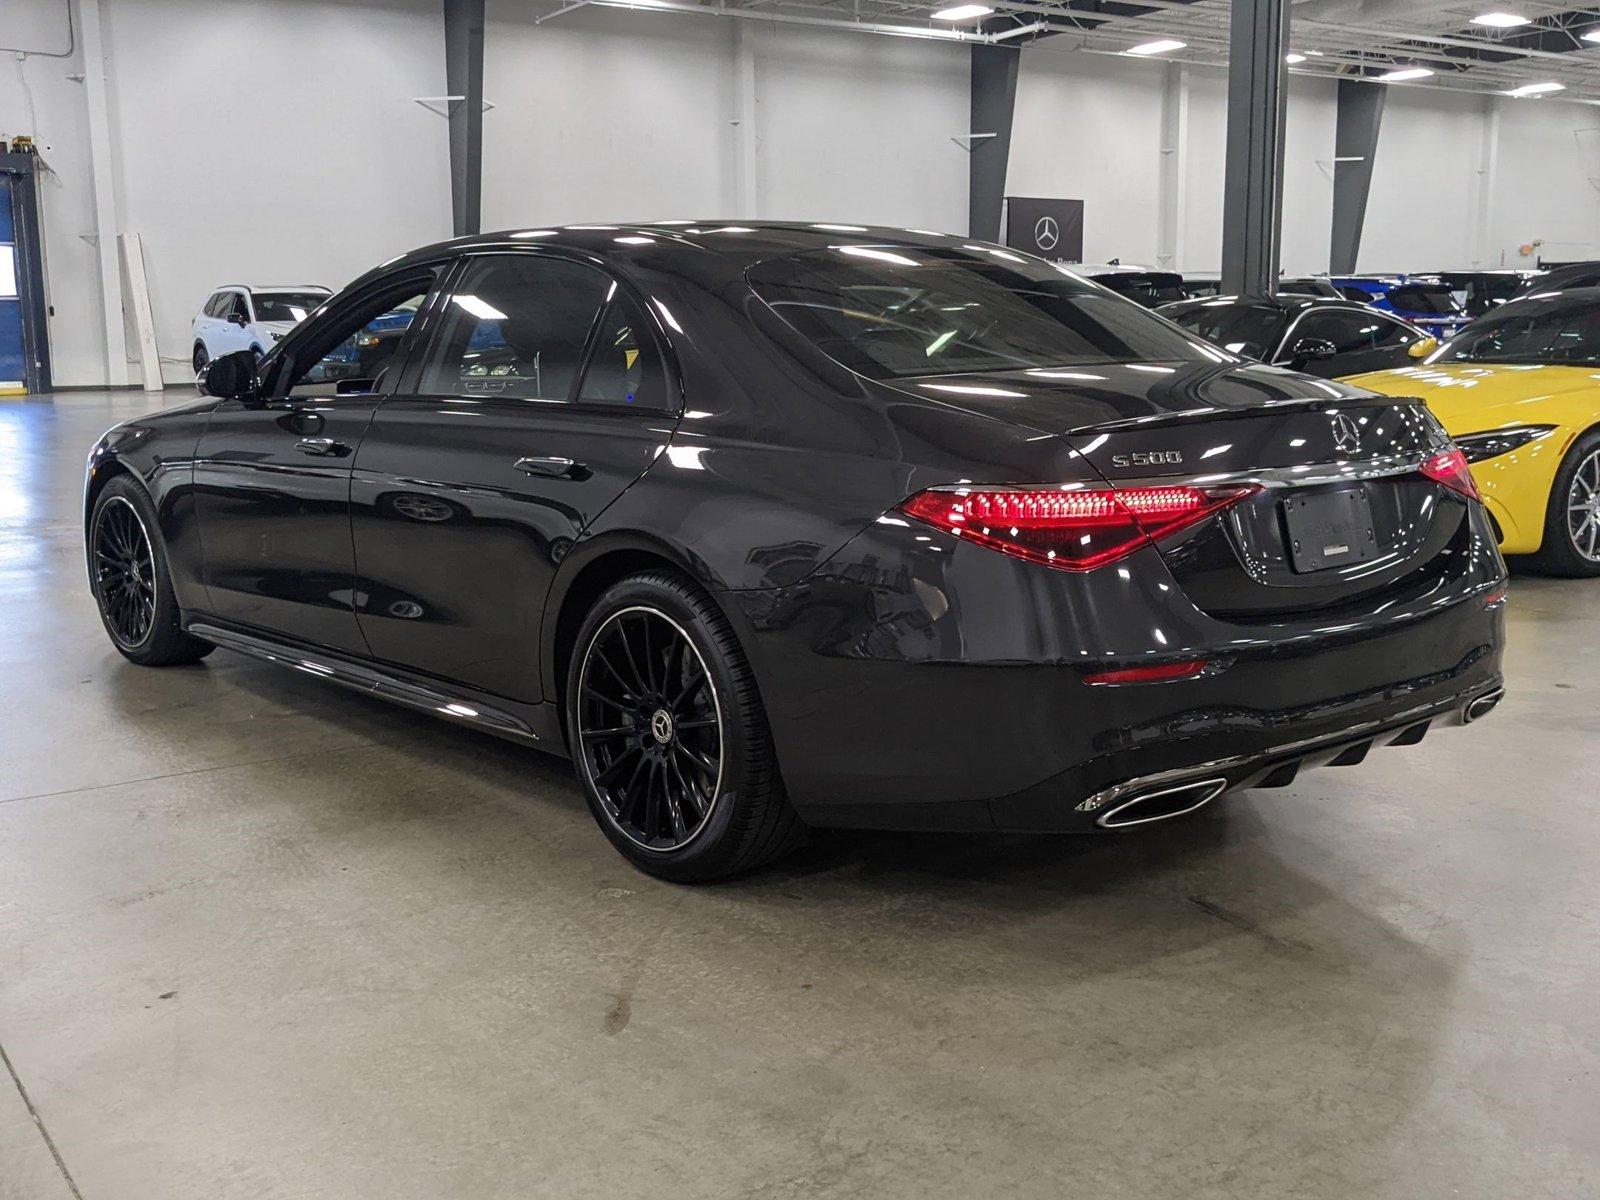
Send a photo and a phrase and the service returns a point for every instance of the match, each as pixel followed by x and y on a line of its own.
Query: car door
pixel 233 331
pixel 272 479
pixel 542 391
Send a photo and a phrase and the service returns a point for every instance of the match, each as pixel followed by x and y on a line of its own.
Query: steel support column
pixel 463 65
pixel 994 102
pixel 1170 183
pixel 1355 149
pixel 1252 206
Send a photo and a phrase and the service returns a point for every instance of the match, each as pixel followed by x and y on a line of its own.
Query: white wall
pixel 604 114
pixel 1547 182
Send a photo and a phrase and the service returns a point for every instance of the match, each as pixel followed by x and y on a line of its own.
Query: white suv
pixel 241 317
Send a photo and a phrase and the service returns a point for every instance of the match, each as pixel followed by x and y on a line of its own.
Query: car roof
pixel 1286 303
pixel 272 287
pixel 1560 298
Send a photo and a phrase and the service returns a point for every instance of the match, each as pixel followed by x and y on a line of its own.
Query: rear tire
pixel 669 737
pixel 131 583
pixel 1571 546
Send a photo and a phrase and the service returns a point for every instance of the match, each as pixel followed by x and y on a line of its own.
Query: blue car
pixel 1425 301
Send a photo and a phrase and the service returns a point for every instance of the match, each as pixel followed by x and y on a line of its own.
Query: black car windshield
pixel 893 312
pixel 286 306
pixel 1531 331
pixel 1252 329
pixel 1435 299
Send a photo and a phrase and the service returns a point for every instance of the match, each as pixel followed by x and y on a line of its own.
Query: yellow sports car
pixel 1519 390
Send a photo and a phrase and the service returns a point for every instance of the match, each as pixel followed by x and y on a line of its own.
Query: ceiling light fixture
pixel 963 12
pixel 1592 36
pixel 1160 46
pixel 1537 89
pixel 1501 20
pixel 1404 74
pixel 1293 58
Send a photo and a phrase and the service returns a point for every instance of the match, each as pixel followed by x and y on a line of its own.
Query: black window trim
pixel 410 378
pixel 439 269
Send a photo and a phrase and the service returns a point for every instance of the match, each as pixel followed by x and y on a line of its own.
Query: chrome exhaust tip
pixel 1481 706
pixel 1162 804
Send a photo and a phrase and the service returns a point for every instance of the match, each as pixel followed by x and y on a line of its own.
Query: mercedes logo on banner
pixel 1046 233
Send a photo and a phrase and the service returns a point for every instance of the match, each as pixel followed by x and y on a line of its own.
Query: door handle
pixel 550 467
pixel 321 447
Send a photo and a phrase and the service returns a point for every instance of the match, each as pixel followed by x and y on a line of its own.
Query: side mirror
pixel 230 377
pixel 237 319
pixel 1310 350
pixel 1423 347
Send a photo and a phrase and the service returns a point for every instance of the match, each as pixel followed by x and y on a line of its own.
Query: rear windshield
pixel 1431 298
pixel 1531 332
pixel 286 306
pixel 893 312
pixel 1242 328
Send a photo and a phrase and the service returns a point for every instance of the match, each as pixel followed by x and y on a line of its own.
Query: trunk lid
pixel 1341 516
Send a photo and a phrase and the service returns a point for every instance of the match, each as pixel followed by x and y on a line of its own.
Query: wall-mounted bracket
pixel 969 141
pixel 442 105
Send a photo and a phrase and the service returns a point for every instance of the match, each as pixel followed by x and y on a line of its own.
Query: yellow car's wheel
pixel 1572 522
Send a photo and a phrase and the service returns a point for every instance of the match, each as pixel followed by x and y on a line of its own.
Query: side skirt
pixel 531 724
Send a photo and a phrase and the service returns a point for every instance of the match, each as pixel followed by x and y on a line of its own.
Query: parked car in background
pixel 1518 392
pixel 1312 334
pixel 1479 291
pixel 1144 285
pixel 1201 287
pixel 239 316
pixel 768 526
pixel 1427 304
pixel 1308 285
pixel 1561 279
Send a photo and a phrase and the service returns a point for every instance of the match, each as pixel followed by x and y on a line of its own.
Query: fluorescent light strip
pixel 1291 59
pixel 1537 89
pixel 1160 46
pixel 1501 20
pixel 1404 74
pixel 963 12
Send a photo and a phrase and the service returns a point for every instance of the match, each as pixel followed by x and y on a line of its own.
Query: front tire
pixel 1571 545
pixel 669 737
pixel 131 583
pixel 201 358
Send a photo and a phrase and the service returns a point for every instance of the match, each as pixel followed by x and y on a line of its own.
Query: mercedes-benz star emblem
pixel 1046 233
pixel 1346 434
pixel 661 726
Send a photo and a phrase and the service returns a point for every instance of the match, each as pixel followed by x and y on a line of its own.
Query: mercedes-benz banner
pixel 1048 228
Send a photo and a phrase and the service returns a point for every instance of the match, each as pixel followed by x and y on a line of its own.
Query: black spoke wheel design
pixel 201 358
pixel 649 730
pixel 124 573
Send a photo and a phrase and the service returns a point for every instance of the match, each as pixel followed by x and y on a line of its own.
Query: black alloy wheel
pixel 201 358
pixel 124 573
pixel 669 736
pixel 131 584
pixel 650 728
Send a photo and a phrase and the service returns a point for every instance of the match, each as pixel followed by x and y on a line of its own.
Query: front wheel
pixel 669 736
pixel 1572 524
pixel 132 586
pixel 201 358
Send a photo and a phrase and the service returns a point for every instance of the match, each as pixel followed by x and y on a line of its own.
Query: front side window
pixel 349 351
pixel 1251 329
pixel 239 310
pixel 1349 331
pixel 1530 332
pixel 528 327
pixel 1391 335
pixel 898 312
pixel 1434 299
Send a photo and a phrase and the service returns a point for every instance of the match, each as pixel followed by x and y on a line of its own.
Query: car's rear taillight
pixel 1450 468
pixel 1069 526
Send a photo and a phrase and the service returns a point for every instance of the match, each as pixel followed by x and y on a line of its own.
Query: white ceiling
pixel 1339 37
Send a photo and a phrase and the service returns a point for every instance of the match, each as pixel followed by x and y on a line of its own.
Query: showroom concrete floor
pixel 261 938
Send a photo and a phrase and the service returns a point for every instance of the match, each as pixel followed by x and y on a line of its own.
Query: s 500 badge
pixel 1151 458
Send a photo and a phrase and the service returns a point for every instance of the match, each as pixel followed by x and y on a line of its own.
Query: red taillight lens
pixel 1187 669
pixel 1072 528
pixel 1451 469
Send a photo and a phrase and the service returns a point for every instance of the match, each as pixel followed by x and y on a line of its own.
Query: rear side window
pixel 893 312
pixel 217 306
pixel 524 327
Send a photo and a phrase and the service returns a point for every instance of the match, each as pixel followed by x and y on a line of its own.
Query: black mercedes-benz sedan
pixel 770 526
pixel 1320 336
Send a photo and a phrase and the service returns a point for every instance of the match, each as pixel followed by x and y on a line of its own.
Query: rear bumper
pixel 908 693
